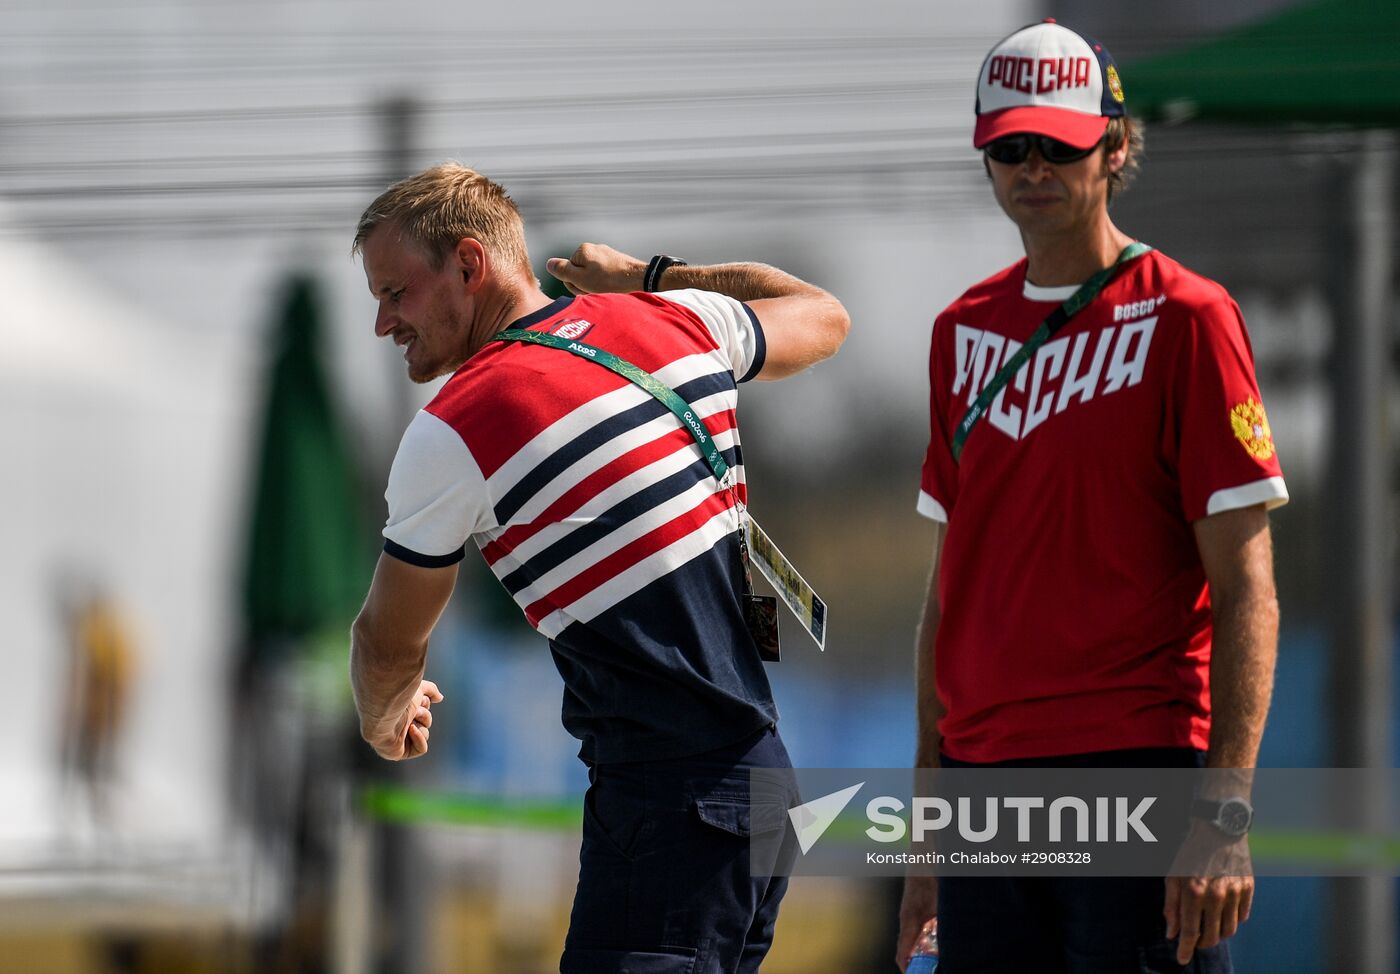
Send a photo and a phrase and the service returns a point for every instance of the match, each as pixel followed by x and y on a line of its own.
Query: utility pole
pixel 399 120
pixel 1361 669
pixel 399 871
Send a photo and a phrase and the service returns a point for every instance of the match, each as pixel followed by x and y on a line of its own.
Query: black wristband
pixel 652 280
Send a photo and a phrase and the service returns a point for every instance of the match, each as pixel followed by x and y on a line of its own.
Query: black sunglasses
pixel 1012 150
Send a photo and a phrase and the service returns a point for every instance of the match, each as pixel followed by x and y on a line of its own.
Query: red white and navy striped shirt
pixel 596 510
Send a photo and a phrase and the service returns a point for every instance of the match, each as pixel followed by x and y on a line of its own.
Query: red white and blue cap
pixel 1047 79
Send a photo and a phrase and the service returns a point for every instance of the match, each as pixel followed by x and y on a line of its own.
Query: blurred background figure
pixel 102 663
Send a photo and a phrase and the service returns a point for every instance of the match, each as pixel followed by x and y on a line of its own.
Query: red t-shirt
pixel 1075 612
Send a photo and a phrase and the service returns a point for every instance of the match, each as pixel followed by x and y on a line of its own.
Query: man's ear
pixel 1114 161
pixel 472 262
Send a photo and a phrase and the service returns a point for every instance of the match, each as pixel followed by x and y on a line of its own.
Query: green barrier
pixel 1330 848
pixel 406 806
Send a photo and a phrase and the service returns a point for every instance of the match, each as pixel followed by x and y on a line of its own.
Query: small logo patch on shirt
pixel 1251 428
pixel 573 329
pixel 1137 309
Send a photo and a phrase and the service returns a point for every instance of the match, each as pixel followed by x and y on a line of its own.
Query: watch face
pixel 1234 817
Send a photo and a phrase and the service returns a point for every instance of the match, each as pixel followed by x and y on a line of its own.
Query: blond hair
pixel 439 206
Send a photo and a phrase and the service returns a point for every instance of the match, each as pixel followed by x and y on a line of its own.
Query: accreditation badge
pixel 791 587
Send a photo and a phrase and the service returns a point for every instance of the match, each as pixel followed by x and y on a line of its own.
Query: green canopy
pixel 1336 62
pixel 307 562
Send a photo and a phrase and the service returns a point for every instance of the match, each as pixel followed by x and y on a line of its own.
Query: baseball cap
pixel 1047 79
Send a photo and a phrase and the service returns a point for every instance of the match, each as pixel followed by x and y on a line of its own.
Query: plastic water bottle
pixel 925 958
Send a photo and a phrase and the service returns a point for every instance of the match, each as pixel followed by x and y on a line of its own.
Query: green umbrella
pixel 307 560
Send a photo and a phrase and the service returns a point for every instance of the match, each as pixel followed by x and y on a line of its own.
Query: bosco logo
pixel 573 329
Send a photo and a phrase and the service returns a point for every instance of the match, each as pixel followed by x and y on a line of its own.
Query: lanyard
pixel 664 393
pixel 760 611
pixel 1076 303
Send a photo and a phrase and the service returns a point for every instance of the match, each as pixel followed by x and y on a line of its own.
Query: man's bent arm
pixel 389 649
pixel 802 324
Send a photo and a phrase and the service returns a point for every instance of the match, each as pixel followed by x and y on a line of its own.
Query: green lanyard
pixel 641 377
pixel 1077 302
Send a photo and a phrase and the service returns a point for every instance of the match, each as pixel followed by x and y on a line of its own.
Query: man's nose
pixel 383 323
pixel 1035 167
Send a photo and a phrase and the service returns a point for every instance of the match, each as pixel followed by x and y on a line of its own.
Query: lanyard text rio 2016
pixel 1077 302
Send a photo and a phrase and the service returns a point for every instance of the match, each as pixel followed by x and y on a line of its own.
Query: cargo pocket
pixel 615 825
pixel 737 815
pixel 762 822
pixel 659 960
pixel 726 814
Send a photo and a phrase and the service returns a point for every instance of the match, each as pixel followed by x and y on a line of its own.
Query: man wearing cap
pixel 1101 592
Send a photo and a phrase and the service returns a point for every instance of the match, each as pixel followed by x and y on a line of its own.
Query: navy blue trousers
pixel 1066 924
pixel 665 884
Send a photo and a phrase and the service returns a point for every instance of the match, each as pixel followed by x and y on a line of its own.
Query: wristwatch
pixel 651 280
pixel 1231 816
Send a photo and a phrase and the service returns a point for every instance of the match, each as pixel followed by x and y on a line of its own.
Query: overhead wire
pixel 839 121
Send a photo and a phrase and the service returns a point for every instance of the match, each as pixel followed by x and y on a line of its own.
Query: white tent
pixel 121 444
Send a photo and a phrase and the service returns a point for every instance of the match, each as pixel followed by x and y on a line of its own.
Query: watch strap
pixel 651 281
pixel 1205 808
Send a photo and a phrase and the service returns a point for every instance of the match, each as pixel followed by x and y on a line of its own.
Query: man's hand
pixel 597 268
pixel 406 737
pixel 1210 890
pixel 919 906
